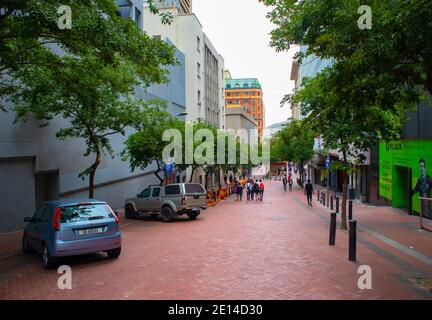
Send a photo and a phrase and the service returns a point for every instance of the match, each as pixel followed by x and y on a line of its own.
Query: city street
pixel 275 249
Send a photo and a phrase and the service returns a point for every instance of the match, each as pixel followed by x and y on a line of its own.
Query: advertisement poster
pixel 400 160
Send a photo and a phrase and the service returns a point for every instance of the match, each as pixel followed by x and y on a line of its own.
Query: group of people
pixel 254 189
pixel 288 182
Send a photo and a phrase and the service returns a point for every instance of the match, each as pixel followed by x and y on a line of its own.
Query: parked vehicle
pixel 72 227
pixel 168 201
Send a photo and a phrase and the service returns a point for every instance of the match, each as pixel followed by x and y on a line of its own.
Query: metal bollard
pixel 328 199
pixel 337 204
pixel 318 193
pixel 352 240
pixel 350 210
pixel 324 200
pixel 331 203
pixel 332 238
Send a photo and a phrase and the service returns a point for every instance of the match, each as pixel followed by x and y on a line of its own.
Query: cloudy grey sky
pixel 239 30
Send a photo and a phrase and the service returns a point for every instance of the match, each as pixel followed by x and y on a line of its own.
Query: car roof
pixel 70 202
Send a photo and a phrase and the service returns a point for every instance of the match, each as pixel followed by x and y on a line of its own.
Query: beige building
pixel 240 118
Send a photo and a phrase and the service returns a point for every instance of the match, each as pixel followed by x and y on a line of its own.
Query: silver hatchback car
pixel 72 227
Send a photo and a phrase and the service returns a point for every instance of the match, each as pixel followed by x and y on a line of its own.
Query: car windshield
pixel 85 212
pixel 194 188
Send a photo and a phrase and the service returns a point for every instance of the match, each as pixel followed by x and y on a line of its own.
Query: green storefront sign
pixel 400 173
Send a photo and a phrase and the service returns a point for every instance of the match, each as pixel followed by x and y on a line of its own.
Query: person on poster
pixel 424 188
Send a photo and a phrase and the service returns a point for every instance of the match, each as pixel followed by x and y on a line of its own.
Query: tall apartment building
pixel 204 66
pixel 247 93
pixel 183 6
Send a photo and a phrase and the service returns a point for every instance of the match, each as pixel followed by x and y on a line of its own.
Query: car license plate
pixel 84 232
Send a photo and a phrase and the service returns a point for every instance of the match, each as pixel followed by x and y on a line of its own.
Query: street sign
pixel 327 163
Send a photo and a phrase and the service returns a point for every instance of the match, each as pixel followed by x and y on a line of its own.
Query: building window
pixel 199 97
pixel 198 44
pixel 228 86
pixel 199 69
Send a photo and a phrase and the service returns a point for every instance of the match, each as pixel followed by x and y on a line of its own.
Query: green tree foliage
pixel 377 73
pixel 145 147
pixel 293 143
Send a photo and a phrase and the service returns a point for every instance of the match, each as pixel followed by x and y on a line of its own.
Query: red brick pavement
pixel 275 249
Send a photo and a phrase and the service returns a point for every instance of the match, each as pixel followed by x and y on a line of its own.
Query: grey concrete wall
pixel 17 193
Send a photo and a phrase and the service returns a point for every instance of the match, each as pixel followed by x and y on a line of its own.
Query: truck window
pixel 172 190
pixel 145 193
pixel 194 188
pixel 156 192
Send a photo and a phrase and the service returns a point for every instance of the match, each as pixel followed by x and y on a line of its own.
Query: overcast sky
pixel 239 30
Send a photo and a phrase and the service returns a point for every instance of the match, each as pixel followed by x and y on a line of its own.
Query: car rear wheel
pixel 193 215
pixel 167 214
pixel 130 212
pixel 25 247
pixel 115 253
pixel 48 261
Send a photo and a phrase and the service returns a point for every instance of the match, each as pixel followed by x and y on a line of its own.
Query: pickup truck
pixel 168 201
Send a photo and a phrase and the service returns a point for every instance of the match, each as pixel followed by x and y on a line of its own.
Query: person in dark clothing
pixel 309 192
pixel 240 191
pixel 285 182
pixel 256 190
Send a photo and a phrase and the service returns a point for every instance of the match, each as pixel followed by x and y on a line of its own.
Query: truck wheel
pixel 130 212
pixel 167 214
pixel 193 215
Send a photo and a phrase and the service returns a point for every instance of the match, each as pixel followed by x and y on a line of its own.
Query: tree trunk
pixel 192 173
pixel 156 173
pixel 92 175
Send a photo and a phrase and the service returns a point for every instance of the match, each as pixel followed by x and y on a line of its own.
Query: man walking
pixel 285 182
pixel 309 192
pixel 261 191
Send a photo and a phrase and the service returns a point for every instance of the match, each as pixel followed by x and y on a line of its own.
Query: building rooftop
pixel 247 83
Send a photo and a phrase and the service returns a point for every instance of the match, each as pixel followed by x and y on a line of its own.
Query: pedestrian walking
pixel 256 190
pixel 248 190
pixel 309 192
pixel 240 191
pixel 290 182
pixel 261 190
pixel 285 182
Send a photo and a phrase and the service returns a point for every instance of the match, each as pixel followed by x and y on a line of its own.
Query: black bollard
pixel 350 210
pixel 352 240
pixel 324 199
pixel 332 238
pixel 328 199
pixel 337 204
pixel 331 203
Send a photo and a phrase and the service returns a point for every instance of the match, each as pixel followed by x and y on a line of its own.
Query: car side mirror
pixel 116 212
pixel 138 195
pixel 27 219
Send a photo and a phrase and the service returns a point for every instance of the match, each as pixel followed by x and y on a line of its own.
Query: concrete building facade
pixel 240 118
pixel 35 166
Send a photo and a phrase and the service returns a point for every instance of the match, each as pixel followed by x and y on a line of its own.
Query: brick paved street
pixel 277 249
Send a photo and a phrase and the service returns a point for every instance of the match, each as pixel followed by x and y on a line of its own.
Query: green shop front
pixel 400 173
